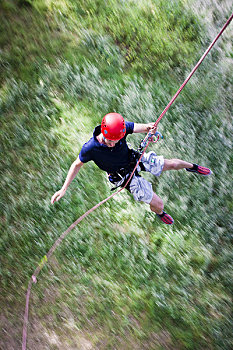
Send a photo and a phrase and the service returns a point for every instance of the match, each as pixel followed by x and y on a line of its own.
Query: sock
pixel 194 167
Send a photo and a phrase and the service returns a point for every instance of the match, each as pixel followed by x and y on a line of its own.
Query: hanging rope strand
pixel 65 233
pixel 193 71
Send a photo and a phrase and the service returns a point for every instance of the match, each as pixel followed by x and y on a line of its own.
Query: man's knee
pixel 171 164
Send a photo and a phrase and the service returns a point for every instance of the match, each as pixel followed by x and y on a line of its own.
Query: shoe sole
pixel 199 173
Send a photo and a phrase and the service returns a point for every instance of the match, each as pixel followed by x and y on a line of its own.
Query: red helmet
pixel 113 126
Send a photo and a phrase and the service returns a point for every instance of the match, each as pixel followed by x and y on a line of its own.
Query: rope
pixel 194 69
pixel 147 141
pixel 57 243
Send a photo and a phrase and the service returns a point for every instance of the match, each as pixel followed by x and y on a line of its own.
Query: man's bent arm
pixel 144 128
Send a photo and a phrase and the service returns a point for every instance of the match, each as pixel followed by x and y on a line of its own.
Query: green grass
pixel 120 280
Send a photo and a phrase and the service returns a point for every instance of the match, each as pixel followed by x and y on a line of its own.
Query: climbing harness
pixel 143 147
pixel 121 176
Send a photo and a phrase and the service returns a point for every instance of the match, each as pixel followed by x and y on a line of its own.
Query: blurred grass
pixel 120 275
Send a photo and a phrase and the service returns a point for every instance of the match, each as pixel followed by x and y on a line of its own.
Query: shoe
pixel 201 170
pixel 166 218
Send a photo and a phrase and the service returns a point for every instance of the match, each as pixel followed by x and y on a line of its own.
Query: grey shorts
pixel 140 188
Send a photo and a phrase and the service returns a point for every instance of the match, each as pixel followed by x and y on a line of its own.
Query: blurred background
pixel 121 279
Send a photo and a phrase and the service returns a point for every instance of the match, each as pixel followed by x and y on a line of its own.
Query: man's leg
pixel 176 164
pixel 156 205
pixel 156 164
pixel 142 191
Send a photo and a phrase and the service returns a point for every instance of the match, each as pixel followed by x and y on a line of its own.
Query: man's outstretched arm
pixel 73 171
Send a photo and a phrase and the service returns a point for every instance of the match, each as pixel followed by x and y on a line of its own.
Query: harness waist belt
pixel 122 174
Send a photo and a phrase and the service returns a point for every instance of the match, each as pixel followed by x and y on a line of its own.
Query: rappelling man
pixel 109 151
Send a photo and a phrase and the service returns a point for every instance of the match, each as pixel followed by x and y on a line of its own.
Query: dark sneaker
pixel 201 170
pixel 166 218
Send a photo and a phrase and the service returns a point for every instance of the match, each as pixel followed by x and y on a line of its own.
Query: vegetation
pixel 121 279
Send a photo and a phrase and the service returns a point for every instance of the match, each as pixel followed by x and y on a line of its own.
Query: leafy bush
pixel 145 32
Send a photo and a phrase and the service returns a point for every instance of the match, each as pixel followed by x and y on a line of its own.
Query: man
pixel 110 152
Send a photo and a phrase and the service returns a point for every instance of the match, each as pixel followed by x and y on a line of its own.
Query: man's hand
pixel 151 127
pixel 58 195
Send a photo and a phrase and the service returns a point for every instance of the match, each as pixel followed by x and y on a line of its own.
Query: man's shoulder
pixel 86 153
pixel 129 127
pixel 89 144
